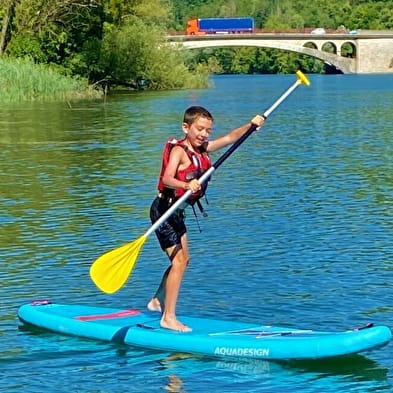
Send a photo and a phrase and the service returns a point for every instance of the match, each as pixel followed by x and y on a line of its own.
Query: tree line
pixel 122 42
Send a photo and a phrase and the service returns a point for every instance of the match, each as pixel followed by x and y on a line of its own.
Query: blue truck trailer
pixel 220 25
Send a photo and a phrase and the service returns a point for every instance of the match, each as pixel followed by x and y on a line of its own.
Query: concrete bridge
pixel 370 52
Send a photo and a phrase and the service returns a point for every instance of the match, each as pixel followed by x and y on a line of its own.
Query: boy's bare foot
pixel 154 305
pixel 174 324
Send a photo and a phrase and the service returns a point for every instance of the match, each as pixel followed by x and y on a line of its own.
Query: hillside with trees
pixel 296 14
pixel 122 42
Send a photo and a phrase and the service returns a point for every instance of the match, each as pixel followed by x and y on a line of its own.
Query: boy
pixel 183 163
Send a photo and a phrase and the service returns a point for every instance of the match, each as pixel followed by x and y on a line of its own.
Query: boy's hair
pixel 193 112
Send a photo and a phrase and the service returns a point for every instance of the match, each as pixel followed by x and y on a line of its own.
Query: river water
pixel 299 231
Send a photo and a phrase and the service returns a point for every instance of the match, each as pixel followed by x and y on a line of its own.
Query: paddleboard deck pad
pixel 208 336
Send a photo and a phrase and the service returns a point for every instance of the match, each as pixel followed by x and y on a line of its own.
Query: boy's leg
pixel 157 303
pixel 173 283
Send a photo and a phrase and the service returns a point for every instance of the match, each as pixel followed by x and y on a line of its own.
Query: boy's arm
pixel 234 135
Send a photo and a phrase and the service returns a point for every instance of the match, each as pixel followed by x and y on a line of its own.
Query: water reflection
pixel 298 234
pixel 350 369
pixel 175 384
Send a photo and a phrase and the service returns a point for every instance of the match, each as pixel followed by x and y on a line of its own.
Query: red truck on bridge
pixel 219 26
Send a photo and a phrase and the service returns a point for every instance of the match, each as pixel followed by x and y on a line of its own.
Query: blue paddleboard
pixel 208 337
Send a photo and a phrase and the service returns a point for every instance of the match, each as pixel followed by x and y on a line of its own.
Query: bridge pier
pixel 374 56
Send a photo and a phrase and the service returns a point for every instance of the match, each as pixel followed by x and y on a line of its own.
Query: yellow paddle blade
pixel 111 270
pixel 302 78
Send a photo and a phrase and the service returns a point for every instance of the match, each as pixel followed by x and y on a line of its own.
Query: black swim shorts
pixel 170 232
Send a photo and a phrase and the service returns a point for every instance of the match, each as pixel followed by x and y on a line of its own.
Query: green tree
pixel 284 16
pixel 137 55
pixel 378 17
pixel 6 13
pixel 153 11
pixel 54 31
pixel 241 63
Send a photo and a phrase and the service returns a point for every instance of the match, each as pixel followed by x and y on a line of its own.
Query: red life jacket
pixel 200 163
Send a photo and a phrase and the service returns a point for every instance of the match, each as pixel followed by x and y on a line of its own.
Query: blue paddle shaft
pixel 221 160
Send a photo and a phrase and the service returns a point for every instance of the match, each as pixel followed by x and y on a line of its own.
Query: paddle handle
pixel 282 98
pixel 301 79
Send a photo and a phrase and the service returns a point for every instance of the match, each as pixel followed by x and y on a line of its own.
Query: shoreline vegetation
pixel 22 80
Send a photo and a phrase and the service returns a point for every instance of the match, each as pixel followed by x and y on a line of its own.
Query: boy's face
pixel 198 132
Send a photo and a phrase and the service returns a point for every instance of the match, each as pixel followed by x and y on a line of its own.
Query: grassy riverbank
pixel 22 80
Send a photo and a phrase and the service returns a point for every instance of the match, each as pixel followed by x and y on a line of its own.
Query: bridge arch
pixel 366 52
pixel 329 47
pixel 311 45
pixel 349 49
pixel 346 65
